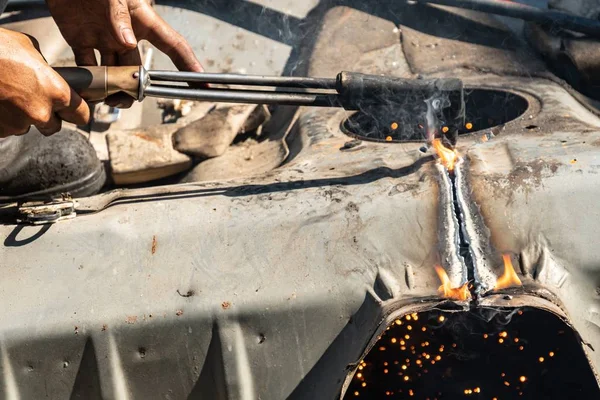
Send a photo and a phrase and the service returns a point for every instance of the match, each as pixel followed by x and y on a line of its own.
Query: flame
pixel 447 157
pixel 446 290
pixel 509 277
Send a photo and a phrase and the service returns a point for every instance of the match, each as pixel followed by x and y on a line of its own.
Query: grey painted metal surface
pixel 259 288
pixel 273 286
pixel 274 278
pixel 538 197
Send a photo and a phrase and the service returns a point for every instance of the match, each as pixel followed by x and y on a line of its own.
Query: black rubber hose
pixel 15 5
pixel 527 13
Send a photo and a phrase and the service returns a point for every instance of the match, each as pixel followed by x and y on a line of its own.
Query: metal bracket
pixel 40 213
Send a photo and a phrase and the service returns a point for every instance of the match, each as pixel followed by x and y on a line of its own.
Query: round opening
pixel 523 353
pixel 484 109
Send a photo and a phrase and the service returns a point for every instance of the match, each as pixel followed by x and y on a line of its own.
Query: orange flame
pixel 447 157
pixel 509 277
pixel 446 290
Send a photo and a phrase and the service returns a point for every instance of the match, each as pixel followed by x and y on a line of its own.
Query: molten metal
pixel 447 157
pixel 509 277
pixel 446 290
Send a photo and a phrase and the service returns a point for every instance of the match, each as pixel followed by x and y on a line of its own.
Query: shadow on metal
pixel 100 202
pixel 12 239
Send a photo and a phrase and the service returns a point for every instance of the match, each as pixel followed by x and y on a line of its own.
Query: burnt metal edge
pixel 449 232
pixel 477 234
pixel 396 310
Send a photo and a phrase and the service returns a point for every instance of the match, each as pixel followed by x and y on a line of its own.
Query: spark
pixel 469 126
pixel 394 126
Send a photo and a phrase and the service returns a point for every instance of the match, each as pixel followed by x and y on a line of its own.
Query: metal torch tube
pixel 247 80
pixel 244 96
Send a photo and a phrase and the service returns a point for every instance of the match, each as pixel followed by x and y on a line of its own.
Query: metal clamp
pixel 41 213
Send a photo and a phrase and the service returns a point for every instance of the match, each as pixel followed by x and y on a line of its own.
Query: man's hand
pixel 32 93
pixel 113 27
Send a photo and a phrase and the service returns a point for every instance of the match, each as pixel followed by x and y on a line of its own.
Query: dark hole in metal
pixel 484 109
pixel 518 354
